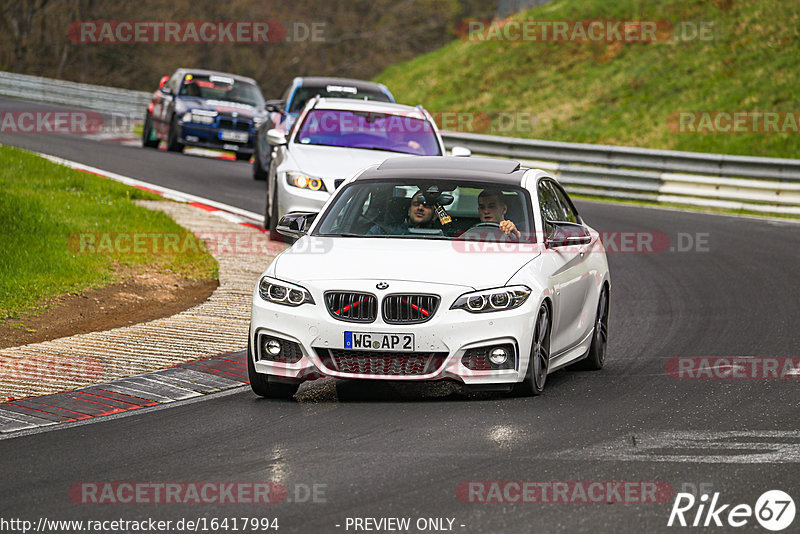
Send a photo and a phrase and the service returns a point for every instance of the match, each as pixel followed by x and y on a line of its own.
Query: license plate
pixel 379 341
pixel 230 135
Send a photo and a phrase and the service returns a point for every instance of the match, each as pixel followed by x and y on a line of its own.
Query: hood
pixel 333 162
pixel 435 261
pixel 244 110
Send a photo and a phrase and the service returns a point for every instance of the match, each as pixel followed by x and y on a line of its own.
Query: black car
pixel 207 109
pixel 284 112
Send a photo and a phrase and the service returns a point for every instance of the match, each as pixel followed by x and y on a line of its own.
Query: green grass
pixel 45 206
pixel 623 93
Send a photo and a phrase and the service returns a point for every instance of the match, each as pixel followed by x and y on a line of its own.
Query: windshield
pixel 369 130
pixel 210 87
pixel 428 209
pixel 303 94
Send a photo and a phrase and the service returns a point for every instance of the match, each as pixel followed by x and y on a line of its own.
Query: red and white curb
pixel 184 381
pixel 148 344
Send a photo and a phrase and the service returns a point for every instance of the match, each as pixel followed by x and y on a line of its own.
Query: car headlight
pixel 491 300
pixel 200 116
pixel 303 181
pixel 281 292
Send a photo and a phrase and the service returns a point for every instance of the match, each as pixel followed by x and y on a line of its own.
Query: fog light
pixel 498 356
pixel 273 347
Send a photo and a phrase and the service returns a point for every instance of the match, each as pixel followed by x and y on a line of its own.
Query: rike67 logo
pixel 774 510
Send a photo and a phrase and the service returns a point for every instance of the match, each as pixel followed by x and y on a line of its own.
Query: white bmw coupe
pixel 433 268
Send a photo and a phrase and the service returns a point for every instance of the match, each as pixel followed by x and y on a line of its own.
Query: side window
pixel 173 82
pixel 548 203
pixel 568 213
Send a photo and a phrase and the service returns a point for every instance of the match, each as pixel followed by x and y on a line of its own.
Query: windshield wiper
pixel 382 149
pixel 343 234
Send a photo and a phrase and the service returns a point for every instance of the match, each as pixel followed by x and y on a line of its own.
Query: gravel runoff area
pixel 214 327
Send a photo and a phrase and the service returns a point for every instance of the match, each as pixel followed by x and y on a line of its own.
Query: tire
pixel 148 140
pixel 240 156
pixel 539 362
pixel 258 172
pixel 173 145
pixel 263 386
pixel 272 217
pixel 596 355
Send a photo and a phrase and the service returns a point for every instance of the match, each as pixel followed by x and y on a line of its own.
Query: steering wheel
pixel 380 225
pixel 492 226
pixel 486 224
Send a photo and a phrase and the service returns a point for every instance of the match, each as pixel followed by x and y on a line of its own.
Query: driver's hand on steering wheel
pixel 508 227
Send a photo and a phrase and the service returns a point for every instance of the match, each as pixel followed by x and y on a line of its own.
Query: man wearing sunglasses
pixel 419 215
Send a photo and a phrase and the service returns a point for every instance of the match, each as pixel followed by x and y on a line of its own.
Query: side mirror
pixel 567 234
pixel 276 137
pixel 164 79
pixel 460 152
pixel 274 105
pixel 296 224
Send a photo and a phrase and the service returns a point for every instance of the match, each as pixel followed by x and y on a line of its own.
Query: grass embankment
pixel 624 93
pixel 44 206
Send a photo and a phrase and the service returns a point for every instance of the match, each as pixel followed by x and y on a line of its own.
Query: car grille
pixel 408 309
pixel 475 362
pixel 350 306
pixel 374 363
pixel 230 123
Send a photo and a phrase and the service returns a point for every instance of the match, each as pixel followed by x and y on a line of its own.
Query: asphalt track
pixel 382 450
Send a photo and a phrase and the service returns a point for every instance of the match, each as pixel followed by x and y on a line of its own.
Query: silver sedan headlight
pixel 304 181
pixel 280 292
pixel 491 300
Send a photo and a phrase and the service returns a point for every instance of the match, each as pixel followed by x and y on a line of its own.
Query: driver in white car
pixel 492 208
pixel 420 215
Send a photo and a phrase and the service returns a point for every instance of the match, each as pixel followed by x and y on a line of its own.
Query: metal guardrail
pixel 95 97
pixel 767 185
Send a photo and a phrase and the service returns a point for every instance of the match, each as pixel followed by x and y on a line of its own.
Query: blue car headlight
pixel 492 300
pixel 280 292
pixel 200 116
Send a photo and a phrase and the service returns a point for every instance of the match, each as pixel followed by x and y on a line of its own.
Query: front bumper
pixel 449 334
pixel 209 137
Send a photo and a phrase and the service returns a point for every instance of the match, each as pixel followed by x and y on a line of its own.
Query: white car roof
pixel 351 104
